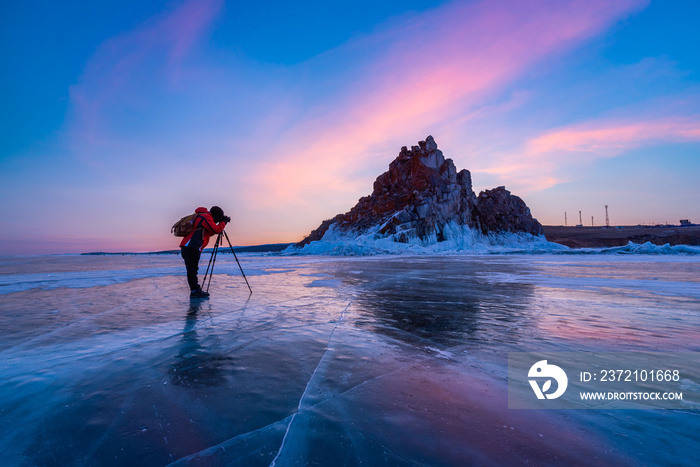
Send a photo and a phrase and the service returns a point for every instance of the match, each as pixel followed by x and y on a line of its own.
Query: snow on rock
pixel 421 201
pixel 457 239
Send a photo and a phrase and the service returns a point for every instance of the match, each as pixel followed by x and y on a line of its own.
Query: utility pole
pixel 592 224
pixel 607 220
pixel 580 220
pixel 566 223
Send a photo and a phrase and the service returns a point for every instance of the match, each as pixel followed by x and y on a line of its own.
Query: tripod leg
pixel 212 260
pixel 239 264
pixel 211 273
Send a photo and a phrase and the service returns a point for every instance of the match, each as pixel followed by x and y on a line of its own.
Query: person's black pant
pixel 191 257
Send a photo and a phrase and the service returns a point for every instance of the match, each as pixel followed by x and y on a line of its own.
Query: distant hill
pixel 266 248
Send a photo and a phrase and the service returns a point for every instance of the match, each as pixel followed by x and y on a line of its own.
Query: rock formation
pixel 420 194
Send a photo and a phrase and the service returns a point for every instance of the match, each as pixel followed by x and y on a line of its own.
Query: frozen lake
pixel 388 360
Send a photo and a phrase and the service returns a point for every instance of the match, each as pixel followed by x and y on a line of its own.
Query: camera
pixel 226 219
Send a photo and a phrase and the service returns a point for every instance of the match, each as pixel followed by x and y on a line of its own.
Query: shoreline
pixel 600 237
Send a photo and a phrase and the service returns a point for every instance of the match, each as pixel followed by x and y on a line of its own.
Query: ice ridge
pixel 461 239
pixel 455 239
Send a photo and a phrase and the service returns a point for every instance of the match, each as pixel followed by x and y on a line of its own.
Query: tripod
pixel 212 261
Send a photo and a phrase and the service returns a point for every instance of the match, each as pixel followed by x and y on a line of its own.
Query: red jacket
pixel 204 228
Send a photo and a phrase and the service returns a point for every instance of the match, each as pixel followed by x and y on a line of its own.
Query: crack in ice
pixel 211 449
pixel 308 383
pixel 223 444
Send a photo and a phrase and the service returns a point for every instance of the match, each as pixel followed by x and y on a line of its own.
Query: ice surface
pixel 382 360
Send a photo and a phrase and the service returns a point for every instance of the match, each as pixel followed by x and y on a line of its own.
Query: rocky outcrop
pixel 498 210
pixel 421 193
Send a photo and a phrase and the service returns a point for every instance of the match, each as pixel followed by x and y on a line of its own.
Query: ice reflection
pixel 443 301
pixel 194 366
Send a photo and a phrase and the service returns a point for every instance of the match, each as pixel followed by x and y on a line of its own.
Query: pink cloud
pixel 173 34
pixel 114 74
pixel 537 166
pixel 614 137
pixel 432 69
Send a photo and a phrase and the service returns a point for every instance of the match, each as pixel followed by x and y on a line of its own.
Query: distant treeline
pixel 267 248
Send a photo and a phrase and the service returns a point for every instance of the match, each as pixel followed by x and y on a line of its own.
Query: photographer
pixel 206 224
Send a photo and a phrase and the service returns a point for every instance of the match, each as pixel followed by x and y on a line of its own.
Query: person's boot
pixel 199 293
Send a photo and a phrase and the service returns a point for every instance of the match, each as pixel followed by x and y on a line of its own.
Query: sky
pixel 120 117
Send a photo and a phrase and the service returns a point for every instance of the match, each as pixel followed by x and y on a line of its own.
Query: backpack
pixel 184 226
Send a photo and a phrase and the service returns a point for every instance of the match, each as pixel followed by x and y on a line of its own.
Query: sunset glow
pixel 196 103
